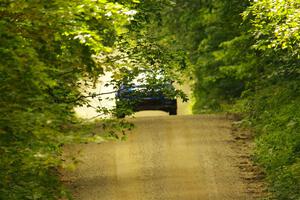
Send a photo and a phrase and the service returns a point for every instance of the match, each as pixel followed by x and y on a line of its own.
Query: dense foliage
pixel 245 56
pixel 47 49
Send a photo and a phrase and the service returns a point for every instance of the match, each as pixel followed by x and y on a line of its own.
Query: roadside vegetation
pixel 245 57
pixel 242 55
pixel 48 50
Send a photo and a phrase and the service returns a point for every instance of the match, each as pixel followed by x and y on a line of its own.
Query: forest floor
pixel 188 157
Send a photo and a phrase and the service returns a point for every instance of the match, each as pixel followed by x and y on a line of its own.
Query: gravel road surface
pixel 165 158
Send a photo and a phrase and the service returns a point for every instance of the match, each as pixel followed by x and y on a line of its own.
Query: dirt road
pixel 165 158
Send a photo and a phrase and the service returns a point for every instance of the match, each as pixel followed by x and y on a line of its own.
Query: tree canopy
pixel 243 57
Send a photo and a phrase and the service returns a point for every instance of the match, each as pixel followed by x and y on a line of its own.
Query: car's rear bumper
pixel 153 104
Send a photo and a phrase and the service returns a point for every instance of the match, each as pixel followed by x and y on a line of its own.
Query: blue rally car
pixel 141 96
